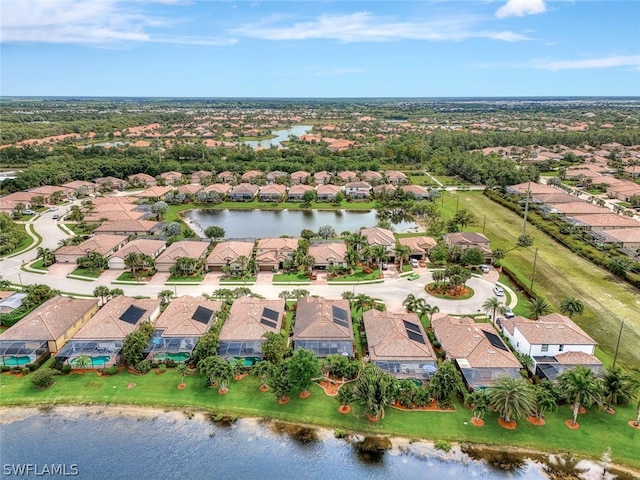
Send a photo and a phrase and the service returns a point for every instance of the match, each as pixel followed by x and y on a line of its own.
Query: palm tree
pixel 424 308
pixel 165 296
pixel 492 305
pixel 306 263
pixel 479 401
pixel 102 292
pixel 546 398
pixel 444 382
pixel 379 253
pixel 402 253
pixel 580 386
pixel 47 256
pixel 362 301
pixel 618 387
pixel 571 307
pixel 345 396
pixel 351 257
pixel 83 361
pixel 410 302
pixel 265 370
pixel 538 307
pixel 512 398
pixel 217 370
pixel 374 387
pixel 438 276
pixel 357 240
pixel 133 261
pixel 182 370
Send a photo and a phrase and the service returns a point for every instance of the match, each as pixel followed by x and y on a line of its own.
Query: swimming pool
pixel 16 361
pixel 176 357
pixel 95 361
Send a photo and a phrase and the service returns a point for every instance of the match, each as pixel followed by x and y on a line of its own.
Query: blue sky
pixel 320 49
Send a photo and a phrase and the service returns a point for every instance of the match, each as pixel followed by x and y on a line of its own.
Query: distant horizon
pixel 320 49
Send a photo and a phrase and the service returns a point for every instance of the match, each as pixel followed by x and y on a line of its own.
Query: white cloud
pixel 91 22
pixel 605 62
pixel 520 8
pixel 365 27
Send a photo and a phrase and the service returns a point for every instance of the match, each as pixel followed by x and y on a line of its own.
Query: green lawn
pixel 597 432
pixel 357 276
pixel 85 272
pixel 38 265
pixel 237 280
pixel 560 274
pixel 448 180
pixel 185 279
pixel 127 277
pixel 27 242
pixel 291 277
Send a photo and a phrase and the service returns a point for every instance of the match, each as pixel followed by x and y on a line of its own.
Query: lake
pixel 100 444
pixel 281 136
pixel 273 223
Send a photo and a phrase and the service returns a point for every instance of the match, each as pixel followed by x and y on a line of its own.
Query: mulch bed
pixel 223 392
pixel 572 426
pixel 237 378
pixel 610 410
pixel 344 409
pixel 131 385
pixel 432 407
pixel 283 400
pixel 264 388
pixel 305 394
pixel 331 387
pixel 581 410
pixel 535 420
pixel 508 425
pixel 373 419
pixel 182 386
pixel 631 424
pixel 477 422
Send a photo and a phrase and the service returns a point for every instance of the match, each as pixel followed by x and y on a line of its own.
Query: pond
pixel 98 443
pixel 253 224
pixel 281 136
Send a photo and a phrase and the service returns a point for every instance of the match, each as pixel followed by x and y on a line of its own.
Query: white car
pixel 414 263
pixel 28 212
pixel 507 312
pixel 498 291
pixel 53 209
pixel 484 268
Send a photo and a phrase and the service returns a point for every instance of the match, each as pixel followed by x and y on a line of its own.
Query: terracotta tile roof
pixel 106 324
pixel 176 320
pixel 184 248
pixel 219 188
pixel 266 244
pixel 144 246
pixel 388 339
pixel 137 226
pixel 244 319
pixel 463 339
pixel 102 244
pixel 299 189
pixel 606 220
pixel 358 185
pixel 76 184
pixel 300 175
pixel 153 192
pixel 418 244
pixel 113 215
pixel 348 176
pixel 247 176
pixel 379 236
pixel 416 190
pixel 144 177
pixel 51 319
pixel 244 189
pixel 576 358
pixel 554 197
pixel 229 251
pixel 394 175
pixel 577 208
pixel 533 188
pixel 549 329
pixel 370 175
pixel 273 176
pixel 327 190
pixel 273 190
pixel 466 238
pixel 624 235
pixel 327 253
pixel 190 188
pixel 314 320
pixel 171 175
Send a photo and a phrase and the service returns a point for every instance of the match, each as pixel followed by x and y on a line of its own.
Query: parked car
pixel 414 263
pixel 28 212
pixel 484 268
pixel 498 291
pixel 507 312
pixel 55 217
pixel 53 209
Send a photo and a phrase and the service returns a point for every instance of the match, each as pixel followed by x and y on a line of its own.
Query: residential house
pixel 477 350
pixel 180 326
pixel 10 300
pixel 357 189
pixel 555 198
pixel 382 237
pixel 127 227
pixel 79 188
pixel 220 188
pixel 199 175
pixel 190 189
pixel 385 188
pixel 399 345
pixel 602 221
pixel 110 182
pixel 532 187
pixel 154 193
pixel 296 192
pixel 48 193
pixel 322 178
pixel 101 338
pixel 419 247
pixel 141 179
pixel 8 203
pixel 327 193
pixel 324 327
pixel 226 177
pixel 171 178
pixel 104 245
pixel 243 192
pixel 348 176
pixel 272 177
pixel 227 254
pixel 183 249
pixel 554 342
pixel 624 191
pixel 327 254
pixel 45 330
pixel 272 252
pixel 466 240
pixel 272 193
pixel 395 177
pixel 247 177
pixel 627 238
pixel 299 177
pixel 418 192
pixel 571 208
pixel 371 177
pixel 142 246
pixel 243 332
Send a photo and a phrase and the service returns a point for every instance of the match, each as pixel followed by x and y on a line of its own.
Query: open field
pixel 598 430
pixel 560 274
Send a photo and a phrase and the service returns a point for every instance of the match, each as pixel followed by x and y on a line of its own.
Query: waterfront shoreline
pixel 591 469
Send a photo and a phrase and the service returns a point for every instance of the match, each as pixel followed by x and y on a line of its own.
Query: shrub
pixel 340 433
pixel 143 366
pixel 43 378
pixel 26 371
pixel 5 368
pixel 442 445
pixel 66 368
pixel 110 371
pixel 163 367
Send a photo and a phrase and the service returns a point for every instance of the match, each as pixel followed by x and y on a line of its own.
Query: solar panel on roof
pixel 340 313
pixel 411 326
pixel 267 322
pixel 270 314
pixel 416 337
pixel 132 315
pixel 202 315
pixel 495 340
pixel 342 323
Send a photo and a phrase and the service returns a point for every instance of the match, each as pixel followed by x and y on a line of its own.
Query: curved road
pixel 392 292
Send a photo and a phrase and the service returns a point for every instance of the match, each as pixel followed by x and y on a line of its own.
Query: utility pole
pixel 484 223
pixel 457 202
pixel 535 258
pixel 526 209
pixel 615 356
